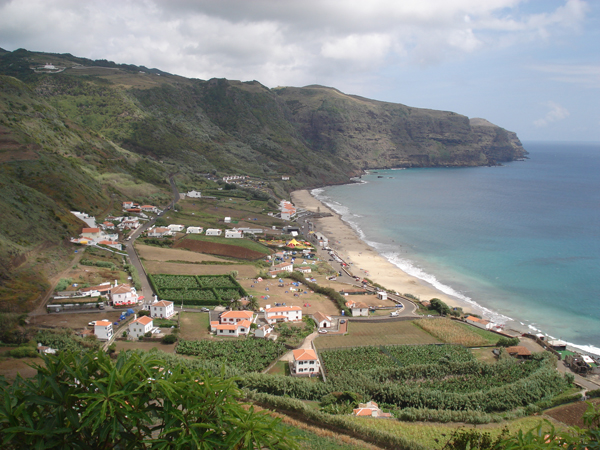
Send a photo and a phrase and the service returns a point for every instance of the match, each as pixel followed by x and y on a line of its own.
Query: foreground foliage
pixel 85 400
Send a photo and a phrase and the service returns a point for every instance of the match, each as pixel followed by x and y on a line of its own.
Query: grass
pixel 245 243
pixel 280 368
pixel 362 334
pixel 194 325
pixel 452 332
pixel 484 355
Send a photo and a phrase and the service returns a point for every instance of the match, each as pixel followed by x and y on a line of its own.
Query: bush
pixel 507 342
pixel 148 334
pixel 169 339
pixel 143 313
pixel 23 352
pixel 593 394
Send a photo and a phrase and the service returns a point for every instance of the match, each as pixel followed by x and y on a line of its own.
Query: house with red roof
pixel 91 233
pixel 235 316
pixel 322 320
pixel 358 308
pixel 370 409
pixel 305 362
pixel 159 232
pixel 149 208
pixel 283 314
pixel 230 329
pixel 111 244
pixel 162 309
pixel 140 326
pixel 481 323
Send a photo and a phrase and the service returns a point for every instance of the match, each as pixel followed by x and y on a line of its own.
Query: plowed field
pixel 213 248
pixel 571 414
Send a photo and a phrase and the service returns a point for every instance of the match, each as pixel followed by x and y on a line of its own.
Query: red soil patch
pixel 571 414
pixel 213 248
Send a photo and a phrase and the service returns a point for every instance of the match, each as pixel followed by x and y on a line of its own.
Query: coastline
pixel 364 260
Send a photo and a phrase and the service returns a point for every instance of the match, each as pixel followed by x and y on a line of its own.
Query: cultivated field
pixel 284 294
pixel 384 333
pixel 453 332
pixel 243 249
pixel 75 321
pixel 11 367
pixel 155 267
pixel 151 253
pixel 194 325
pixel 144 346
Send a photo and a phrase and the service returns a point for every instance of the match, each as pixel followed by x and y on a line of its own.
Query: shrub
pixel 507 342
pixel 148 334
pixel 169 339
pixel 23 352
pixel 143 313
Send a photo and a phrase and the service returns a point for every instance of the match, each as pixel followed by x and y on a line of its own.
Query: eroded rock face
pixel 376 134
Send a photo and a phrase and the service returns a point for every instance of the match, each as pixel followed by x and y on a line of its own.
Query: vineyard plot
pixel 197 290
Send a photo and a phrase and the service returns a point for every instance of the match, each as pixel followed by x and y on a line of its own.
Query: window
pixel 231 331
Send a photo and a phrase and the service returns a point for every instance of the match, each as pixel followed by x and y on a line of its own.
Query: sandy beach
pixel 364 260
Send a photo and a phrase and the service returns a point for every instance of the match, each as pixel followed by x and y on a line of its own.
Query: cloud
pixel 586 75
pixel 279 42
pixel 556 112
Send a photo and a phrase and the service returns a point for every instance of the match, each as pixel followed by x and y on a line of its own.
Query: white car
pixel 322 331
pixel 92 323
pixel 394 314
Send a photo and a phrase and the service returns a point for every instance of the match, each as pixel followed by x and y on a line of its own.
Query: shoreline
pixel 365 261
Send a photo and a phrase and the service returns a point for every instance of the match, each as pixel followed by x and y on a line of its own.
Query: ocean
pixel 518 242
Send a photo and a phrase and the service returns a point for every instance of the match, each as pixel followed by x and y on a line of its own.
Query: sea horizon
pixel 518 242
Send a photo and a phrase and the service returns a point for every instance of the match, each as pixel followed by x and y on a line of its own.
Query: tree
pixel 82 400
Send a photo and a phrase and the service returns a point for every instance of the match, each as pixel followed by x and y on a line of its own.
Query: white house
pixel 230 329
pixel 303 269
pixel 111 244
pixel 123 294
pixel 194 230
pixel 176 228
pixel 227 220
pixel 263 332
pixel 236 234
pixel 382 295
pixel 213 232
pixel 284 178
pixel 89 220
pixel 129 205
pixel 93 234
pixel 305 362
pixel 284 266
pixel 481 323
pixel 322 320
pixel 194 194
pixel 130 223
pixel 162 309
pixel 149 208
pixel 236 316
pixel 140 326
pixel 283 314
pixel 159 232
pixel 358 309
pixel 103 330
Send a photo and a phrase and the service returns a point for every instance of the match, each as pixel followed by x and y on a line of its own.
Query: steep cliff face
pixel 379 134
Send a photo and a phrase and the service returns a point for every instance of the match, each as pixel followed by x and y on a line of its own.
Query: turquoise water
pixel 521 241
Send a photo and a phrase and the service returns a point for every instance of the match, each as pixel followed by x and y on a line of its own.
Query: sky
pixel 530 66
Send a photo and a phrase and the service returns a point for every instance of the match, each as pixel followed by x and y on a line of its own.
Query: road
pixel 147 291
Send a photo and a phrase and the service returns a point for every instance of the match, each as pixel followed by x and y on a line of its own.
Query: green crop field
pixel 245 243
pixel 362 334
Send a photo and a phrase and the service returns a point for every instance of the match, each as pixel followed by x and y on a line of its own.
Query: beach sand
pixel 364 260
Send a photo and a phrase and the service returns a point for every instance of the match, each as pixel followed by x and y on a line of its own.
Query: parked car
pixel 92 323
pixel 204 310
pixel 342 321
pixel 322 331
pixel 394 314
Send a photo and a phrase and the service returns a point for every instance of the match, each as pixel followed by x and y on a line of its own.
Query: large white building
pixel 236 234
pixel 283 314
pixel 140 326
pixel 213 232
pixel 123 294
pixel 305 362
pixel 162 309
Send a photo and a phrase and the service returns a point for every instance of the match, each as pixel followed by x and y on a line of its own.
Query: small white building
pixel 303 269
pixel 149 208
pixel 358 309
pixel 159 232
pixel 235 234
pixel 227 220
pixel 263 332
pixel 213 232
pixel 140 326
pixel 322 320
pixel 283 314
pixel 176 228
pixel 480 323
pixel 162 309
pixel 103 330
pixel 194 194
pixel 382 295
pixel 305 362
pixel 285 266
pixel 194 230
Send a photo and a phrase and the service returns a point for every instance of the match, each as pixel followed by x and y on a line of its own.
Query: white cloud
pixel 586 75
pixel 556 112
pixel 278 42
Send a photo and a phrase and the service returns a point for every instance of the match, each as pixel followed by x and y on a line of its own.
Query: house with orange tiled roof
pixel 305 362
pixel 370 409
pixel 91 233
pixel 283 314
pixel 140 326
pixel 481 323
pixel 235 316
pixel 162 309
pixel 358 308
pixel 111 244
pixel 103 330
pixel 159 232
pixel 149 208
pixel 322 320
pixel 230 329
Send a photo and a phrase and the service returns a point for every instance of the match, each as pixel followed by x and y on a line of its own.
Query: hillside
pixel 78 134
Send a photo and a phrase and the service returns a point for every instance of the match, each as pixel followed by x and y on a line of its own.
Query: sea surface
pixel 519 242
